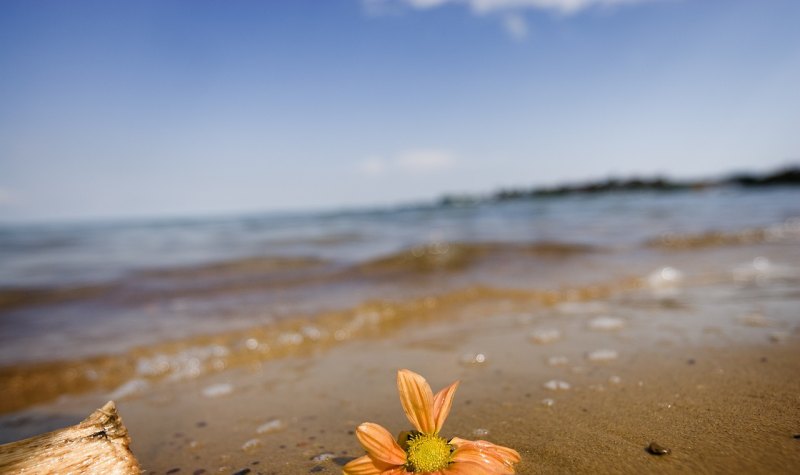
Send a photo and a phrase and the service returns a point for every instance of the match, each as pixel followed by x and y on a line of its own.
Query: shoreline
pixel 721 393
pixel 578 362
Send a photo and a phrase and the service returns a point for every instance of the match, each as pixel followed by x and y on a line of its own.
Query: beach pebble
pixel 469 359
pixel 217 390
pixel 602 356
pixel 323 457
pixel 545 336
pixel 656 449
pixel 251 445
pixel 557 385
pixel 548 402
pixel 271 426
pixel 606 323
pixel 557 360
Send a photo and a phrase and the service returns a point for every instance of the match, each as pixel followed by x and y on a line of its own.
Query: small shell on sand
pixel 545 336
pixel 469 359
pixel 218 390
pixel 606 323
pixel 548 402
pixel 270 426
pixel 557 385
pixel 602 356
pixel 323 457
pixel 251 445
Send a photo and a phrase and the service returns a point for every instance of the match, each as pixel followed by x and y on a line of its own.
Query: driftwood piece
pixel 98 445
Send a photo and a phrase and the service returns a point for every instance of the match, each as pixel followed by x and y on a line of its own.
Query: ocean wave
pixel 787 230
pixel 28 384
pixel 456 256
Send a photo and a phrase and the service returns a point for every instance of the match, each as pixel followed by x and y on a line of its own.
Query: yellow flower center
pixel 427 453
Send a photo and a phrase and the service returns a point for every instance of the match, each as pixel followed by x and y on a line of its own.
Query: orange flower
pixel 422 451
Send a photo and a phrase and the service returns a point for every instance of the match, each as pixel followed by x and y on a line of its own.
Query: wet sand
pixel 688 368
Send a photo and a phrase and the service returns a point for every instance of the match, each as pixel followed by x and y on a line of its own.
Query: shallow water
pixel 113 309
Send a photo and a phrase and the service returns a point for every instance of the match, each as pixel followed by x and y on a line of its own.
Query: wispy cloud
pixel 516 26
pixel 414 162
pixel 511 12
pixel 564 7
pixel 487 6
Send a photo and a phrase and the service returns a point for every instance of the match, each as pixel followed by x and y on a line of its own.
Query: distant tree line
pixel 789 176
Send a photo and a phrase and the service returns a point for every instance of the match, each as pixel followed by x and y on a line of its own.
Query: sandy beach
pixel 702 360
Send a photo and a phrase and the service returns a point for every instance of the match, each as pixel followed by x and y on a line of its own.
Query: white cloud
pixel 414 162
pixel 422 4
pixel 565 7
pixel 516 26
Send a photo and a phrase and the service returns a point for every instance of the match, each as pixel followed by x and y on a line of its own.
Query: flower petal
pixel 380 444
pixel 495 458
pixel 488 461
pixel 466 468
pixel 396 471
pixel 507 453
pixel 442 402
pixel 364 466
pixel 417 400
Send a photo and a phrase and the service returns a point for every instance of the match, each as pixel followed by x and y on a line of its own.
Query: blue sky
pixel 148 108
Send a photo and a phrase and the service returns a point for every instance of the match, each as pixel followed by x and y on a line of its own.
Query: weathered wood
pixel 98 445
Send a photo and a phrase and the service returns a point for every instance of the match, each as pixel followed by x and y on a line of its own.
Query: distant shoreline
pixel 787 176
